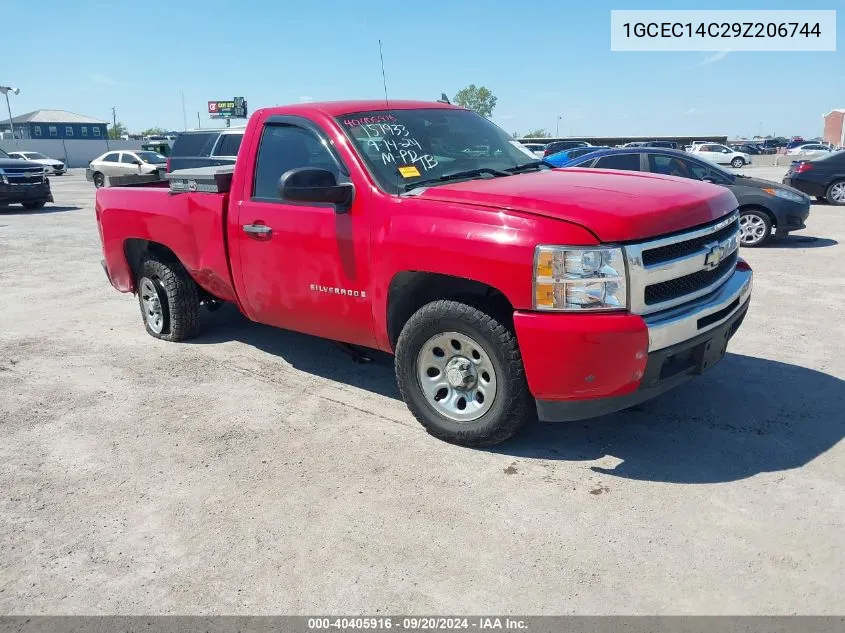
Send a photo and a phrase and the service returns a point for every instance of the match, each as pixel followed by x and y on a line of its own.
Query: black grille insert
pixel 674 288
pixel 680 249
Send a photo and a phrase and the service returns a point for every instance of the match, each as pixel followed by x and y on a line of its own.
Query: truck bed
pixel 192 225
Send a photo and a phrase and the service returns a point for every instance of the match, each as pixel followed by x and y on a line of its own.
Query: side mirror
pixel 311 184
pixel 708 179
pixel 136 162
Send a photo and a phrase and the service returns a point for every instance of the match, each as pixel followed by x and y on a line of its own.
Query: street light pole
pixel 6 90
pixel 557 127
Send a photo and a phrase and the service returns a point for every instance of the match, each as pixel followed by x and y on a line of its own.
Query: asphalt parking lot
pixel 261 471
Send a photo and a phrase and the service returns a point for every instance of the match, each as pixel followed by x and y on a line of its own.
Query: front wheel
pixel 738 162
pixel 34 206
pixel 755 227
pixel 99 180
pixel 169 301
pixel 460 372
pixel 836 193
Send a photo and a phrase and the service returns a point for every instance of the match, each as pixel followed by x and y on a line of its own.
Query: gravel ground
pixel 261 471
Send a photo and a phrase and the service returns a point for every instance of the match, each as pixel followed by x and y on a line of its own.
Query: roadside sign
pixel 228 109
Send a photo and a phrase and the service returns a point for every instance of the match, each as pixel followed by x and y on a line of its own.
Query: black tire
pixel 34 206
pixel 99 179
pixel 178 297
pixel 835 186
pixel 738 162
pixel 512 405
pixel 759 218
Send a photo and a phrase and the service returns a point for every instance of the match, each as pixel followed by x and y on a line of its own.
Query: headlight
pixel 785 194
pixel 575 279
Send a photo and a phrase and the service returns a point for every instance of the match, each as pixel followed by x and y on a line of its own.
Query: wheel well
pixel 754 207
pixel 136 251
pixel 411 290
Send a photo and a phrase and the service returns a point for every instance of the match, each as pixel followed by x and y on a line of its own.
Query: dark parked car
pixel 664 144
pixel 205 148
pixel 747 148
pixel 773 143
pixel 559 146
pixel 823 177
pixel 765 208
pixel 23 182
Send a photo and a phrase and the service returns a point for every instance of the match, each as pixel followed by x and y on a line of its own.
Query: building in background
pixel 834 130
pixel 56 124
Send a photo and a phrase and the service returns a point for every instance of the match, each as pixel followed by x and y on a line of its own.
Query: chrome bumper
pixel 676 325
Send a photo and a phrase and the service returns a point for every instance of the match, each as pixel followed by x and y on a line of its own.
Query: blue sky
pixel 140 57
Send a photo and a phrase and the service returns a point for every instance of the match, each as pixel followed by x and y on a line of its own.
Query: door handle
pixel 257 229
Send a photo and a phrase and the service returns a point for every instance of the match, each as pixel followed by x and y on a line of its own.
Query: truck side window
pixel 286 147
pixel 228 145
pixel 628 162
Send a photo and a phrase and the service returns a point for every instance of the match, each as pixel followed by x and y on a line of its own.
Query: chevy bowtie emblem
pixel 713 257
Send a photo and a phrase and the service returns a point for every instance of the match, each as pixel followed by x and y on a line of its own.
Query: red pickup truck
pixel 504 288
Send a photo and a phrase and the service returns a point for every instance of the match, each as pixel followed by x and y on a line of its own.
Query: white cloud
pixel 712 59
pixel 306 99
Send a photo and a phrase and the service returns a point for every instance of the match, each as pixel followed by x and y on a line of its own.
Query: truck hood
pixel 616 206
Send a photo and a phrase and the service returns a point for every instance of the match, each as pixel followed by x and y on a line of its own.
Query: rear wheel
pixel 460 372
pixel 169 300
pixel 738 162
pixel 99 179
pixel 836 193
pixel 755 227
pixel 33 206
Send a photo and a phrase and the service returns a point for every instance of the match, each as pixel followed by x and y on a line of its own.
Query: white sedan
pixel 809 151
pixel 55 167
pixel 721 154
pixel 124 163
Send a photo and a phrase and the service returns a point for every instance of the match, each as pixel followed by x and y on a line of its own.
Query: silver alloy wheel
pixel 837 192
pixel 153 312
pixel 752 229
pixel 456 376
pixel 737 162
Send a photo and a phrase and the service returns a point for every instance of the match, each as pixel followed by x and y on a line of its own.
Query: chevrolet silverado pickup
pixel 504 288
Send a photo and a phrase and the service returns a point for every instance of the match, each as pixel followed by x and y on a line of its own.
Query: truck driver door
pixel 301 265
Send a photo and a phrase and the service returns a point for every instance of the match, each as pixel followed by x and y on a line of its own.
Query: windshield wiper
pixel 458 175
pixel 534 164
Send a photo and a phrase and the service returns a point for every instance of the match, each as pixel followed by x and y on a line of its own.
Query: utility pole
pixel 199 123
pixel 184 116
pixel 114 121
pixel 557 127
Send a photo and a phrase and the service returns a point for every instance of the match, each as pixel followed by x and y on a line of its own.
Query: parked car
pixel 54 167
pixel 747 148
pixel 559 146
pixel 634 144
pixel 457 264
pixel 721 155
pixel 23 182
pixel 570 154
pixel 124 163
pixel 774 143
pixel 538 149
pixel 665 144
pixel 765 208
pixel 822 177
pixel 205 148
pixel 809 151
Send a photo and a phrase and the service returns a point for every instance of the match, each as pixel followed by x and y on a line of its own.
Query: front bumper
pixel 12 194
pixel 582 366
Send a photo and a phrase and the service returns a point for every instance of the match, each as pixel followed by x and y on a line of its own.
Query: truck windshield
pixel 403 147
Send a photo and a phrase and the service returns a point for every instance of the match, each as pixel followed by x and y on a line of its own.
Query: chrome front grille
pixel 669 271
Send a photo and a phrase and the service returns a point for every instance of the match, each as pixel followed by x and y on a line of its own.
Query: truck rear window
pixel 401 147
pixel 194 144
